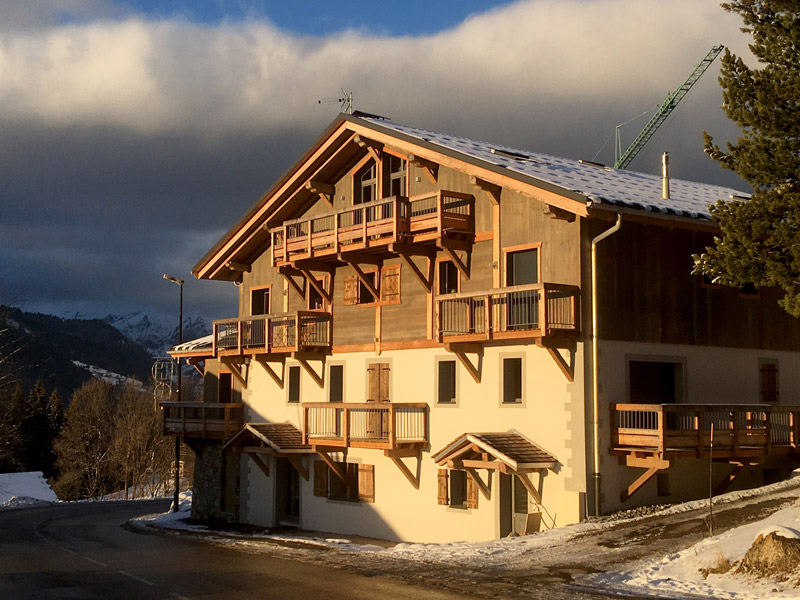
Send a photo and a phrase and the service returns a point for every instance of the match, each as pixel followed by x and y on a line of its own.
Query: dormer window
pixel 365 183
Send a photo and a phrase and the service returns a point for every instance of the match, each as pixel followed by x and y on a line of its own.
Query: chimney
pixel 665 176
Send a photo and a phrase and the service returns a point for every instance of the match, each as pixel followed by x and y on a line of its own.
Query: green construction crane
pixel 622 160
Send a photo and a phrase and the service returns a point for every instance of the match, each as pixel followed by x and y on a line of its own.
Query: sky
pixel 136 132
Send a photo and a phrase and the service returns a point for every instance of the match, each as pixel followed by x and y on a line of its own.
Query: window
pixel 655 381
pixel 394 175
pixel 768 380
pixel 315 299
pixel 447 278
pixel 446 384
pixel 457 489
pixel 225 390
pixel 749 290
pixel 512 380
pixel 360 486
pixel 336 383
pixel 386 283
pixel 259 300
pixel 365 183
pixel 522 266
pixel 294 384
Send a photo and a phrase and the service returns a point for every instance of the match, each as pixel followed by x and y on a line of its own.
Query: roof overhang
pixel 269 438
pixel 507 452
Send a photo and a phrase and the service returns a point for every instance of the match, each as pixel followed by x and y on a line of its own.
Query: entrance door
pixel 378 392
pixel 287 493
pixel 514 515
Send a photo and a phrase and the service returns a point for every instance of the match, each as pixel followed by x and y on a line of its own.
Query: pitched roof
pixel 601 185
pixel 509 448
pixel 280 438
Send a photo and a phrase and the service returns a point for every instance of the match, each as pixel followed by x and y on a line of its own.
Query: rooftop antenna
pixel 346 101
pixel 623 159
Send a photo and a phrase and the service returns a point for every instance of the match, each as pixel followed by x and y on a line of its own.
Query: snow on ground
pixel 679 575
pixel 108 376
pixel 25 489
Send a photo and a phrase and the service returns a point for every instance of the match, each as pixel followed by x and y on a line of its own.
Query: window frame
pixel 261 288
pixel 289 370
pixel 331 366
pixel 502 377
pixel 769 362
pixel 357 195
pixel 509 250
pixel 681 383
pixel 309 289
pixel 437 376
pixel 439 264
pixel 387 176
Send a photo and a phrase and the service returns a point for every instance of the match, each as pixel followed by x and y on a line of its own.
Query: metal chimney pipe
pixel 665 176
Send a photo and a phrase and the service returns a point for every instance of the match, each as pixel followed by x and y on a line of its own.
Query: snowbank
pixel 25 489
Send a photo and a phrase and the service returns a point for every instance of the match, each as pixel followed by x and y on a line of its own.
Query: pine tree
pixel 760 236
pixel 36 443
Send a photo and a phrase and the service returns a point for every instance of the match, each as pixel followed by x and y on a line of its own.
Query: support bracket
pixel 397 454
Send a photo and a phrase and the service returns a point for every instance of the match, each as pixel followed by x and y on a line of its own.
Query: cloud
pixel 120 126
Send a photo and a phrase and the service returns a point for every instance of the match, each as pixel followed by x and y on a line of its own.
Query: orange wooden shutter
pixel 383 379
pixel 366 483
pixel 472 492
pixel 320 479
pixel 373 382
pixel 350 290
pixel 443 486
pixel 390 284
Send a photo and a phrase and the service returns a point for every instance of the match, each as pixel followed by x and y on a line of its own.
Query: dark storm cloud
pixel 129 146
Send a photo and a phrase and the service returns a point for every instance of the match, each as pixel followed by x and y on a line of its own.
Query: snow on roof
pixel 14 487
pixel 601 185
pixel 203 343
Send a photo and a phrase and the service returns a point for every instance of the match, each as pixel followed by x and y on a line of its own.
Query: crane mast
pixel 622 160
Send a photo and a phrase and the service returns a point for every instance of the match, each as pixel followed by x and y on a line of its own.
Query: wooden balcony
pixel 388 426
pixel 202 419
pixel 437 216
pixel 667 431
pixel 525 311
pixel 274 333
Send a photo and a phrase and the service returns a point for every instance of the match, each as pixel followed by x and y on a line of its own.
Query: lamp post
pixel 177 437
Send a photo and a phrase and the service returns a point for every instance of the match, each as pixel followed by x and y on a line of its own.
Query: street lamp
pixel 177 437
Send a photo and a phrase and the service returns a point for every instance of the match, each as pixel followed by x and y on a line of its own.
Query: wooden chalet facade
pixel 412 354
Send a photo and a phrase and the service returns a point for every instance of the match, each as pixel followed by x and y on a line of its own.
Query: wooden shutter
pixel 472 491
pixel 383 382
pixel 366 483
pixel 373 382
pixel 443 487
pixel 390 284
pixel 320 479
pixel 350 290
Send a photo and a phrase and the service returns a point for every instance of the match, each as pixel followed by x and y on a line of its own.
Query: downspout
pixel 595 399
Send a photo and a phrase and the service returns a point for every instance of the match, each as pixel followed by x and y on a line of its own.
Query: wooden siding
pixel 647 294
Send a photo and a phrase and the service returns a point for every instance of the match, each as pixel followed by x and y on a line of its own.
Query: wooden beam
pixel 463 268
pixel 374 148
pixel 324 190
pixel 412 478
pixel 298 466
pixel 318 379
pixel 723 485
pixel 259 462
pixel 494 465
pixel 334 467
pixel 483 487
pixel 430 168
pixel 195 362
pixel 237 266
pixel 636 485
pixel 646 462
pixel 288 273
pixel 492 190
pixel 426 281
pixel 317 285
pixel 528 484
pixel 256 449
pixel 365 280
pixel 567 368
pixel 555 212
pixel 460 353
pixel 270 371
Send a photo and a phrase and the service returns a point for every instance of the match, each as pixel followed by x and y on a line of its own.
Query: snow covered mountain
pixel 156 334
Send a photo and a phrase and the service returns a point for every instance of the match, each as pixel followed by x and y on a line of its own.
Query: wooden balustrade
pixel 539 309
pixel 202 419
pixel 388 425
pixel 673 430
pixel 285 332
pixel 377 223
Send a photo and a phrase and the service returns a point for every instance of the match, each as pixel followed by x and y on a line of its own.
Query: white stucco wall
pixel 551 415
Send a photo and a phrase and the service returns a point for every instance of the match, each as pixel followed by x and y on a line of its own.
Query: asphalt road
pixel 81 551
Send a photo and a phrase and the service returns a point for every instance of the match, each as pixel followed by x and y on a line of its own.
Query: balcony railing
pixel 368 425
pixel 377 223
pixel 284 332
pixel 672 430
pixel 202 419
pixel 538 309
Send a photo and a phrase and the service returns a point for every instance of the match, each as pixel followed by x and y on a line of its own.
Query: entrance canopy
pixel 269 438
pixel 507 452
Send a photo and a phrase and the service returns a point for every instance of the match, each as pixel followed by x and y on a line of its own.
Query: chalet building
pixel 414 353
